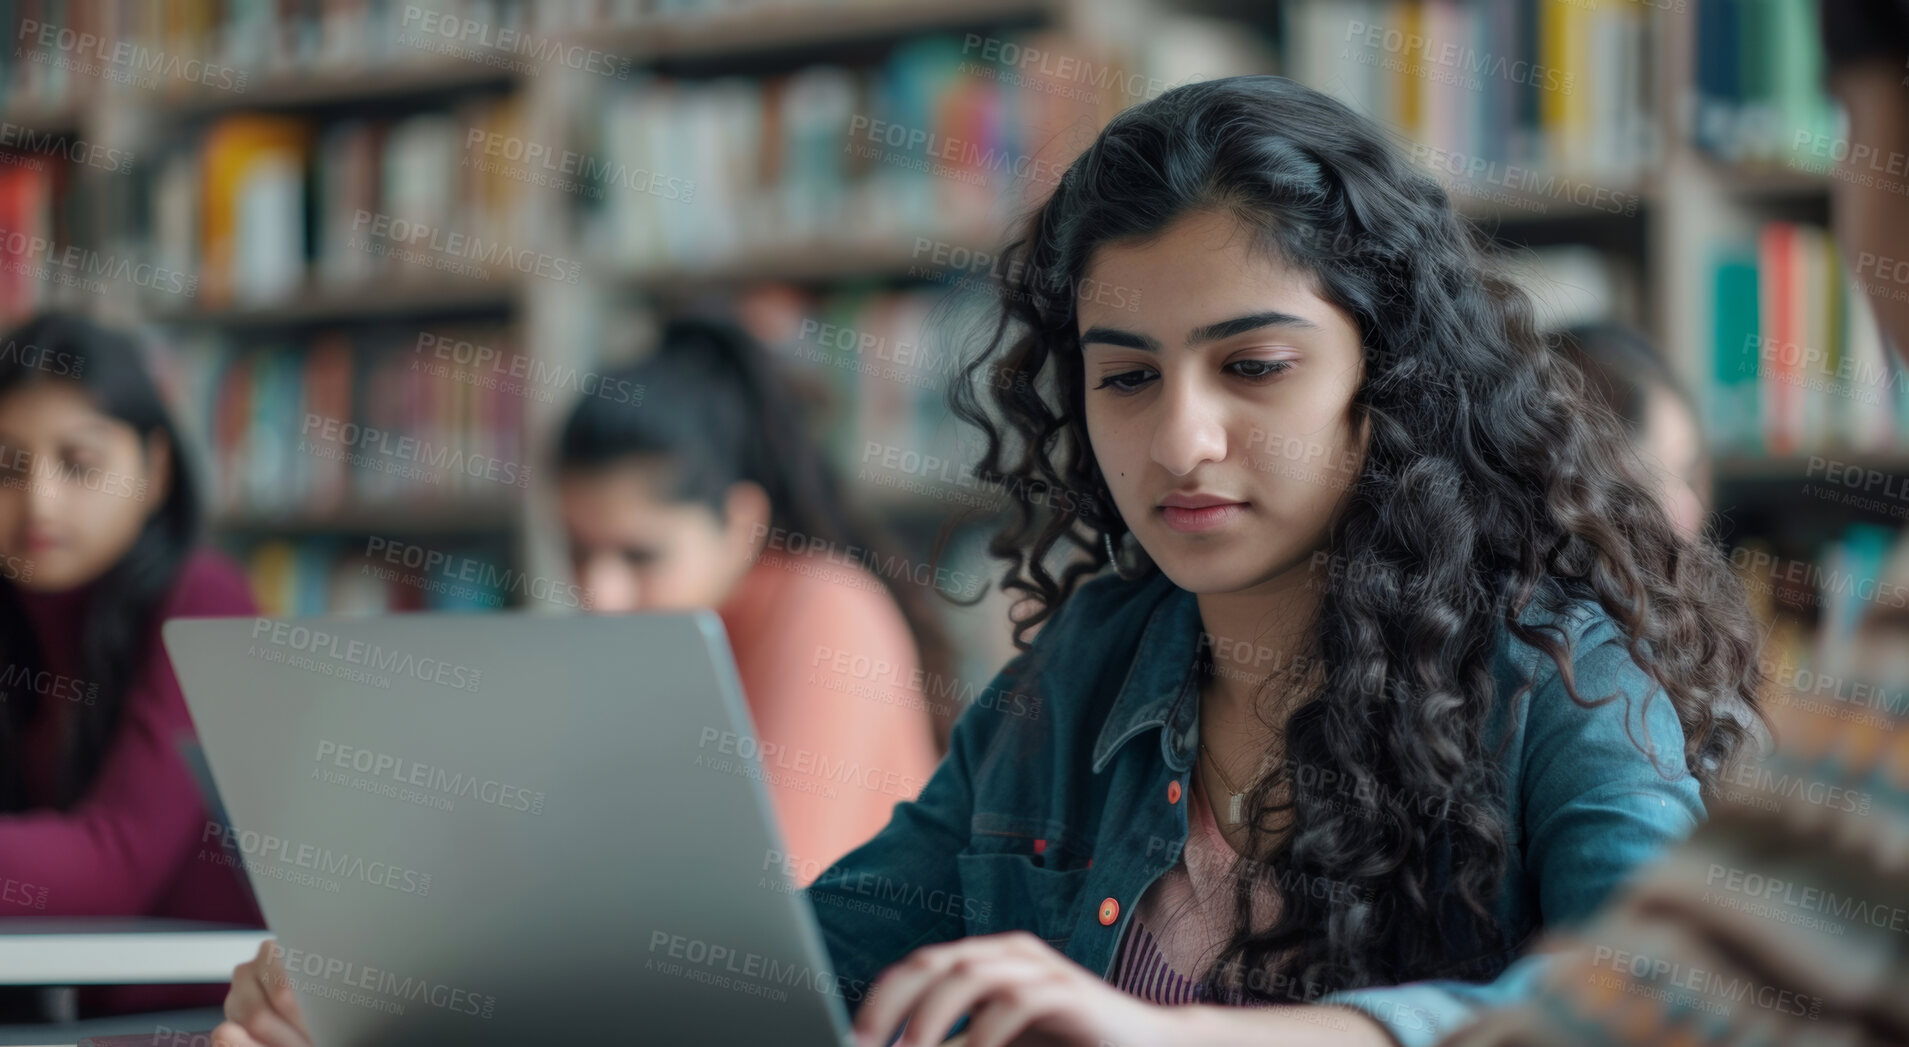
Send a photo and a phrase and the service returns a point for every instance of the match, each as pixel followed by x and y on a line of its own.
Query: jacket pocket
pixel 1008 892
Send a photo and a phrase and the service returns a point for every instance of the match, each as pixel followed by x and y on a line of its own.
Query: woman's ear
pixel 158 470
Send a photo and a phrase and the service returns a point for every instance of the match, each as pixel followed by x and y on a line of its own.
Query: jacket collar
pixel 1161 688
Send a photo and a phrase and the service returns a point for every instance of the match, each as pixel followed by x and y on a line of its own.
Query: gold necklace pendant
pixel 1234 798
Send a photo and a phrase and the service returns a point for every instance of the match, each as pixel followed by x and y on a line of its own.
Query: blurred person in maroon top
pixel 100 814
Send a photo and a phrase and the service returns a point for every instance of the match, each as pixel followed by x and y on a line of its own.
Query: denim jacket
pixel 1056 806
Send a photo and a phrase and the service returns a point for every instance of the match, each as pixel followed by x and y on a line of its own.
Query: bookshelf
pixel 265 316
pixel 1655 172
pixel 1734 204
pixel 1722 173
pixel 1716 155
pixel 316 304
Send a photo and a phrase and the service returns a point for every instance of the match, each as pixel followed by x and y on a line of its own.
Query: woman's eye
pixel 1124 382
pixel 1260 368
pixel 639 557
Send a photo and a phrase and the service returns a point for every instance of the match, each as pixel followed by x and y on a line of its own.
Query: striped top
pixel 1186 917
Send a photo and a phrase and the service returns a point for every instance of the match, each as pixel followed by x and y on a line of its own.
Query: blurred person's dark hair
pixel 1621 369
pixel 116 634
pixel 1627 375
pixel 1861 30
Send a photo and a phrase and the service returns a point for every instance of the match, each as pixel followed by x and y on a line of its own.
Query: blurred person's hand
pixel 1783 920
pixel 261 1010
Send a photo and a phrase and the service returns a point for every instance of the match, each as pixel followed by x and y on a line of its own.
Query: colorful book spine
pixel 366 421
pixel 1552 89
pixel 1799 367
pixel 1759 89
pixel 946 136
pixel 355 575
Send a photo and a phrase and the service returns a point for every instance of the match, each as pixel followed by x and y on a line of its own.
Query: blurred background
pixel 349 224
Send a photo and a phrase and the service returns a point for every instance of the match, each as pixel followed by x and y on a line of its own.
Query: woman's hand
pixel 1016 989
pixel 261 1010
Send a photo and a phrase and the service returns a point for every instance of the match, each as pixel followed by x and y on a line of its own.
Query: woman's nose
pixel 1190 428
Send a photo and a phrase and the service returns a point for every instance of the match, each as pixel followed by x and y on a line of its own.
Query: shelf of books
pixel 358 284
pixel 849 206
pixel 1808 409
pixel 1688 189
pixel 377 213
pixel 1538 107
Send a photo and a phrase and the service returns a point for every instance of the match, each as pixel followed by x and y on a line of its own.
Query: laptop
pixel 507 829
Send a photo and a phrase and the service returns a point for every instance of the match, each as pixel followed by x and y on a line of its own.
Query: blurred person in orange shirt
pixel 688 479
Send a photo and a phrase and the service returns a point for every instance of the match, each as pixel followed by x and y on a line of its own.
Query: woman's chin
pixel 1213 572
pixel 1203 576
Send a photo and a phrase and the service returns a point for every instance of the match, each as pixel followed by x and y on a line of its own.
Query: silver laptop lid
pixel 507 828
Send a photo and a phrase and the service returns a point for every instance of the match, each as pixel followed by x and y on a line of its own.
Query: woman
pixel 1397 633
pixel 99 814
pixel 688 481
pixel 1624 372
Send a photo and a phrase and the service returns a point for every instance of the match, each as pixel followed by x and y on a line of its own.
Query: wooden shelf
pixel 796 26
pixel 378 300
pixel 469 518
pixel 762 30
pixel 1768 181
pixel 58 119
pixel 1623 200
pixel 1508 206
pixel 343 86
pixel 1739 468
pixel 890 258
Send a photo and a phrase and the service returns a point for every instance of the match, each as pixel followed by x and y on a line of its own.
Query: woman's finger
pixel 246 1009
pixel 232 1034
pixel 899 991
pixel 279 992
pixel 261 1002
pixel 1011 1011
pixel 894 994
pixel 969 984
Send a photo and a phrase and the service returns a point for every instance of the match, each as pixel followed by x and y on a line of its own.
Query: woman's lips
pixel 1206 518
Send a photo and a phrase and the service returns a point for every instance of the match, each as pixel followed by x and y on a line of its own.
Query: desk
pixel 121 951
pixel 958 1041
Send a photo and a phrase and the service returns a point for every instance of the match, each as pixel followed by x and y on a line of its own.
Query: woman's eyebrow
pixel 85 434
pixel 1209 333
pixel 1249 322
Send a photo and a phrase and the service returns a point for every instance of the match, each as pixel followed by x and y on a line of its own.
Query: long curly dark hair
pixel 1490 484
